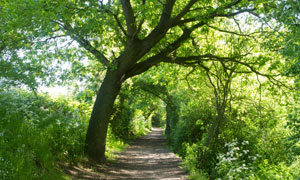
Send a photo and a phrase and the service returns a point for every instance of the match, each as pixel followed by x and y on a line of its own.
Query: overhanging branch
pixel 229 32
pixel 84 43
pixel 192 60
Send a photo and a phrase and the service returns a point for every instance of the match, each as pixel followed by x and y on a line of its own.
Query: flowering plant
pixel 236 163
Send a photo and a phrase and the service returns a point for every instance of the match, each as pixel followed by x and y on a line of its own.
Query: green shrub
pixel 278 171
pixel 113 144
pixel 157 120
pixel 191 161
pixel 36 132
pixel 240 163
pixel 128 121
pixel 237 163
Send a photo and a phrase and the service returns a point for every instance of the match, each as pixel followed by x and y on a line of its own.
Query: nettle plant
pixel 237 162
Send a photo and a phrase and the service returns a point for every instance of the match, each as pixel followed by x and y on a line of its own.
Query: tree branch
pixel 84 43
pixel 163 26
pixel 213 14
pixel 230 32
pixel 232 4
pixel 192 60
pixel 130 19
pixel 183 21
pixel 107 10
pixel 50 38
pixel 167 11
pixel 139 27
pixel 184 10
pixel 200 58
pixel 187 80
pixel 238 25
pixel 119 24
pixel 154 60
pixel 235 13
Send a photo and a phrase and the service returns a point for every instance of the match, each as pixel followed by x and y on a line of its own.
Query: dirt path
pixel 146 158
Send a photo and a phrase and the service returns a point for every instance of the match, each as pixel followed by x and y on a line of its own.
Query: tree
pixel 220 77
pixel 129 37
pixel 160 91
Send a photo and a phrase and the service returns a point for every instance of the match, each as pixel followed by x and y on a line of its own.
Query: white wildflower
pixel 245 142
pixel 245 151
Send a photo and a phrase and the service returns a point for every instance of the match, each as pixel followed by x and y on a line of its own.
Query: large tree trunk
pixel 102 110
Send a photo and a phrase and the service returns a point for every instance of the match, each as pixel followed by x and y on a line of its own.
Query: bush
pixel 237 162
pixel 157 120
pixel 278 171
pixel 36 132
pixel 128 120
pixel 240 163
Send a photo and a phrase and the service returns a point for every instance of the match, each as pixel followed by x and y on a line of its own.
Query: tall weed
pixel 36 132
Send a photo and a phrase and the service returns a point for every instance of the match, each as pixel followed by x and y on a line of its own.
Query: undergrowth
pixel 37 132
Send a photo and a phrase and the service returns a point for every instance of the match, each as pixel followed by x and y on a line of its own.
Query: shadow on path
pixel 146 158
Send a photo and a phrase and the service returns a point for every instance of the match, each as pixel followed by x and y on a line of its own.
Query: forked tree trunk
pixel 102 110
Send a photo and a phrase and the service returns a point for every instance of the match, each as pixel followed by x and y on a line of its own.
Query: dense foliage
pixel 252 138
pixel 37 132
pixel 221 76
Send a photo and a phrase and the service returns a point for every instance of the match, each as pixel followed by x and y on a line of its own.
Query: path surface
pixel 147 158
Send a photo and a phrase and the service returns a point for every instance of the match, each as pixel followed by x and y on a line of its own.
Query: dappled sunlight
pixel 147 158
pixel 83 80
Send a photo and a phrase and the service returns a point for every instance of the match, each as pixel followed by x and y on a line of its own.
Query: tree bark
pixel 168 128
pixel 102 110
pixel 172 117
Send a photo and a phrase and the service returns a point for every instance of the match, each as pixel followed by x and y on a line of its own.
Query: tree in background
pixel 160 91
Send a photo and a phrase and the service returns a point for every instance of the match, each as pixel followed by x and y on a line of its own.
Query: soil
pixel 146 158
